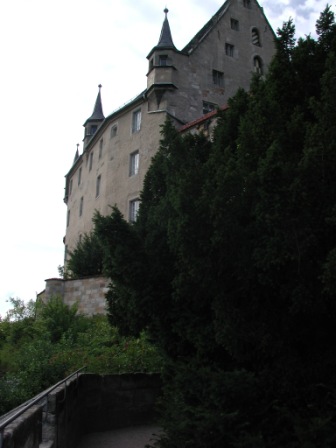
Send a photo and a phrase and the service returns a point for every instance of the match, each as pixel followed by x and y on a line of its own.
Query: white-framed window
pixel 208 107
pixel 79 175
pixel 229 50
pixel 255 37
pixel 134 163
pixel 136 121
pixel 98 185
pixel 218 78
pixel 134 209
pixel 234 24
pixel 81 203
pixel 91 161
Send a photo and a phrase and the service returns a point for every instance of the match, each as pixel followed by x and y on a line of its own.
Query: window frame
pixel 163 60
pixel 255 37
pixel 229 50
pixel 114 131
pixel 218 78
pixel 209 107
pixel 136 121
pixel 134 206
pixel 90 160
pixel 81 205
pixel 134 163
pixel 98 186
pixel 79 175
pixel 234 24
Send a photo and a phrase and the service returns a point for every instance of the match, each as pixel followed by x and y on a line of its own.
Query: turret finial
pixel 166 10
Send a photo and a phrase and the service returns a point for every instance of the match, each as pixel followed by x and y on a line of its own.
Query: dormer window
pixel 163 60
pixel 247 4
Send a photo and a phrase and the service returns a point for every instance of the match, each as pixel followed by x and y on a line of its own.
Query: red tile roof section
pixel 203 118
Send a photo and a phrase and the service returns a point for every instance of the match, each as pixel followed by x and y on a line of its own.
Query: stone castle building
pixel 182 84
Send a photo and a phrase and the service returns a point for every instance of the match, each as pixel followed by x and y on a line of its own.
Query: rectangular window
pixel 98 185
pixel 79 175
pixel 136 121
pixel 134 210
pixel 218 77
pixel 163 59
pixel 70 187
pixel 81 206
pixel 234 24
pixel 247 4
pixel 208 107
pixel 114 131
pixel 91 161
pixel 134 163
pixel 229 50
pixel 68 218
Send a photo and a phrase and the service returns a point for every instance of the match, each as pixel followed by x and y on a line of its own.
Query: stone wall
pixel 87 403
pixel 88 293
pixel 25 431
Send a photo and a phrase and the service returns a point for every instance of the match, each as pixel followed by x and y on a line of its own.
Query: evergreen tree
pixel 231 264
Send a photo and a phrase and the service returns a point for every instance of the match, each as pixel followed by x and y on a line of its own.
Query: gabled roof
pixel 197 39
pixel 207 28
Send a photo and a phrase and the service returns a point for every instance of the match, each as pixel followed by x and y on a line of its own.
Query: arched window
pixel 255 37
pixel 258 65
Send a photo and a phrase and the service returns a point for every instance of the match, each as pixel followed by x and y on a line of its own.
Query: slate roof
pixel 197 39
pixel 97 114
pixel 166 39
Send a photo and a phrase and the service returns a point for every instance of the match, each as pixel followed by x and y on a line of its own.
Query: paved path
pixel 132 437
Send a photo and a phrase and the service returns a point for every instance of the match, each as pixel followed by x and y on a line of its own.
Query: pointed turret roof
pixel 97 114
pixel 166 40
pixel 76 155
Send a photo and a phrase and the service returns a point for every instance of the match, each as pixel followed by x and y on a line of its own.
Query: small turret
pixel 91 125
pixel 162 67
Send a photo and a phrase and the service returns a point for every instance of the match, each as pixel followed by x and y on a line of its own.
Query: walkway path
pixel 132 437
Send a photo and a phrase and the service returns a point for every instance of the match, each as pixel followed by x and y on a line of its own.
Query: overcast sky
pixel 53 56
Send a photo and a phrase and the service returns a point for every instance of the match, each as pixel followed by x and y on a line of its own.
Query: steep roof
pixel 165 40
pixel 198 38
pixel 97 114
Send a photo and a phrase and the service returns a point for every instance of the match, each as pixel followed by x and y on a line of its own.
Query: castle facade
pixel 185 85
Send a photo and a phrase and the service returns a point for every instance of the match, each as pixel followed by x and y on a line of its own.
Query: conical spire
pixel 165 37
pixel 76 155
pixel 97 113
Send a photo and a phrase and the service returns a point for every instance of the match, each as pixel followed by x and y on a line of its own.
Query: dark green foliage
pixel 86 258
pixel 231 264
pixel 38 352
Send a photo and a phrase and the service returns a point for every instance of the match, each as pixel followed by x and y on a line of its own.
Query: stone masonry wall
pixel 88 293
pixel 84 404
